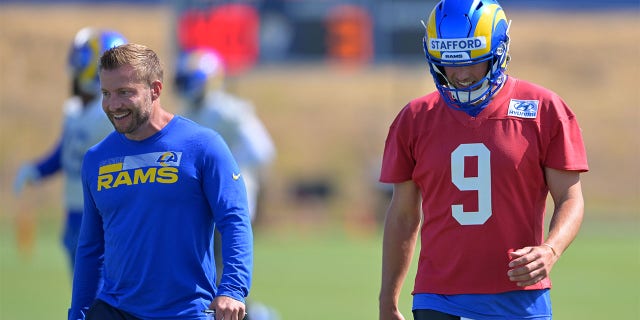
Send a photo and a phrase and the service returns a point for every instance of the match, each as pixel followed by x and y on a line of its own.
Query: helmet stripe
pixel 431 34
pixel 485 27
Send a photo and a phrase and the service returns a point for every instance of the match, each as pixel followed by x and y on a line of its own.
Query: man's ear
pixel 156 89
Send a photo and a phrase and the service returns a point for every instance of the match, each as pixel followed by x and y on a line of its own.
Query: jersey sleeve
pixel 397 160
pixel 566 150
pixel 256 147
pixel 50 163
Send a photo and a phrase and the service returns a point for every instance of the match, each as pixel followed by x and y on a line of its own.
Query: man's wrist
pixel 555 254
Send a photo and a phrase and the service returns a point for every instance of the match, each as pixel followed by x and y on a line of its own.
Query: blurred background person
pixel 84 125
pixel 200 80
pixel 200 85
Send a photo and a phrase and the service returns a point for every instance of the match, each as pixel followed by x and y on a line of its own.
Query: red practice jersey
pixel 482 181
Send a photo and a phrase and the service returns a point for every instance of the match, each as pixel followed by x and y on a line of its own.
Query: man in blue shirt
pixel 154 190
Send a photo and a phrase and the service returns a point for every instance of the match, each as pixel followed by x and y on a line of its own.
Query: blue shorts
pixel 523 304
pixel 70 235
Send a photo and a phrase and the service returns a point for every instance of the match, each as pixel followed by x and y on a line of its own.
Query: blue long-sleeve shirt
pixel 146 243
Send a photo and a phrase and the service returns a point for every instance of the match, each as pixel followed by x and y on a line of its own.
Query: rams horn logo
pixel 167 157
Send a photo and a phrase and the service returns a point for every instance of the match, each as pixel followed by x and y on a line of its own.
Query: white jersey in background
pixel 238 124
pixel 82 128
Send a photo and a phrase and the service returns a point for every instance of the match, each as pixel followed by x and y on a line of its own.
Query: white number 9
pixel 481 183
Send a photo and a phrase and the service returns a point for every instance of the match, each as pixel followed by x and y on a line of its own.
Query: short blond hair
pixel 144 60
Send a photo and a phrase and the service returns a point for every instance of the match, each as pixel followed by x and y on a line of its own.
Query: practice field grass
pixel 336 275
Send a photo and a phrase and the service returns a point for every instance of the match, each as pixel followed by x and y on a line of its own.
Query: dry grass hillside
pixel 329 123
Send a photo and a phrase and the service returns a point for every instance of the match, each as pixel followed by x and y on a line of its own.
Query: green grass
pixel 333 275
pixel 321 276
pixel 318 277
pixel 35 286
pixel 598 277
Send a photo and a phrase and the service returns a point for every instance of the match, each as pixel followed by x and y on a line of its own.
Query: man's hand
pixel 228 308
pixel 26 174
pixel 529 265
pixel 390 313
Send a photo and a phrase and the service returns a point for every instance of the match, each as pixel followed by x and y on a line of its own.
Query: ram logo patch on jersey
pixel 154 167
pixel 169 158
pixel 523 108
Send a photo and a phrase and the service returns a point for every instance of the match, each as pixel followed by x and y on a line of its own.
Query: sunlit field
pixel 334 274
pixel 321 259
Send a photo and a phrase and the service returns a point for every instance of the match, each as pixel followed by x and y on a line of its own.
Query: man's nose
pixel 462 74
pixel 109 103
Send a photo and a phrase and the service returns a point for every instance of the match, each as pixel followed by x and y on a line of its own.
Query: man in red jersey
pixel 472 165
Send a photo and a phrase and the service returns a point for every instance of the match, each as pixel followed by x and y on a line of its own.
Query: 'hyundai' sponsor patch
pixel 523 108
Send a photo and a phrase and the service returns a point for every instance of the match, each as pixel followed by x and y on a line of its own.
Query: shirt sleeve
pixel 256 147
pixel 566 149
pixel 50 163
pixel 87 279
pixel 397 160
pixel 226 192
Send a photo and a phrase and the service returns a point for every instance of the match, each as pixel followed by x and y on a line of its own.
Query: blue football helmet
pixel 88 45
pixel 198 71
pixel 463 33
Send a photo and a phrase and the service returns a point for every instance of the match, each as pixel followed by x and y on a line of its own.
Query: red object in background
pixel 231 29
pixel 349 34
